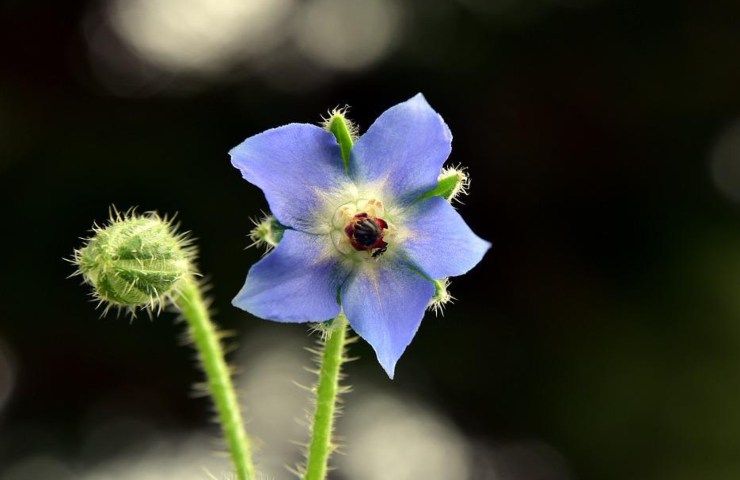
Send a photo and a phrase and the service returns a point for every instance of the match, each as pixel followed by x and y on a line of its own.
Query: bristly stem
pixel 205 337
pixel 327 392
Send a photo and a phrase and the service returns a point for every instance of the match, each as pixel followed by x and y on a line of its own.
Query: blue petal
pixel 292 164
pixel 440 242
pixel 384 302
pixel 404 149
pixel 298 282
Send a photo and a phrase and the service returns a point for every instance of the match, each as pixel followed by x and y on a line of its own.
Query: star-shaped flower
pixel 369 237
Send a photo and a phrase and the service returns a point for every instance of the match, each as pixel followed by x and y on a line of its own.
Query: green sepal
pixel 451 183
pixel 441 295
pixel 343 130
pixel 267 233
pixel 445 188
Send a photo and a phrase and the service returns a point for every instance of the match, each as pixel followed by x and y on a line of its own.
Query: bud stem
pixel 205 337
pixel 327 391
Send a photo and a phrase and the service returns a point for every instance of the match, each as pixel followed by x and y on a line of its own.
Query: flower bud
pixel 134 261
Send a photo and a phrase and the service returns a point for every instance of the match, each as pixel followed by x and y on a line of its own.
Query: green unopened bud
pixel 134 261
pixel 266 233
pixel 451 183
pixel 441 296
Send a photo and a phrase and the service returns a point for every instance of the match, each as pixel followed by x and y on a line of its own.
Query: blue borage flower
pixel 362 238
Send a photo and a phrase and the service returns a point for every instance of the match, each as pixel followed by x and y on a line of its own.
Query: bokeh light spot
pixel 397 439
pixel 204 36
pixel 348 34
pixel 725 162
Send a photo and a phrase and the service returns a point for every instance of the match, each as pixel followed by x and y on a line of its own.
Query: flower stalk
pixel 210 352
pixel 328 389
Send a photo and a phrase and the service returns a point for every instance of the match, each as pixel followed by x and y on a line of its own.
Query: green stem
pixel 204 335
pixel 327 391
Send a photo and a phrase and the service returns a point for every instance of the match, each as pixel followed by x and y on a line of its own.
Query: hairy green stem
pixel 206 340
pixel 327 391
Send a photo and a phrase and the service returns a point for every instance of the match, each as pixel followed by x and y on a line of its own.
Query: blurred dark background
pixel 598 340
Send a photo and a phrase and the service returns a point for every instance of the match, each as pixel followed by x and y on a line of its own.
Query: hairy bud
pixel 134 261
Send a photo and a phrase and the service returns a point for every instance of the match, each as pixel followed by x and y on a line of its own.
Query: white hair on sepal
pixel 441 296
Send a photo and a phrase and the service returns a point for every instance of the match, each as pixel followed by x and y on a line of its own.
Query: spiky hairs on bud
pixel 135 260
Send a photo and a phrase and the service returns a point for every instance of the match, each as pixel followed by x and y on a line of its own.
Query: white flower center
pixel 360 230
